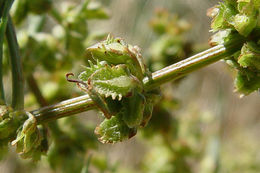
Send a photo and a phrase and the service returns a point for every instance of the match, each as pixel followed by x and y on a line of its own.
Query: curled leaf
pixel 29 139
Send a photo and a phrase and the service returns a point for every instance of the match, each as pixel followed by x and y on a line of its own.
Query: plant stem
pixel 55 14
pixel 184 67
pixel 16 66
pixel 173 72
pixel 63 109
pixel 4 10
pixel 32 83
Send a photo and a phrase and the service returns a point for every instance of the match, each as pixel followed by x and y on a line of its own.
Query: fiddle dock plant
pixel 116 80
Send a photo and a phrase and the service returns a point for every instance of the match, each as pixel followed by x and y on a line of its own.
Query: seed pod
pixel 116 51
pixel 250 56
pixel 239 20
pixel 29 139
pixel 247 82
pixel 114 130
pixel 133 109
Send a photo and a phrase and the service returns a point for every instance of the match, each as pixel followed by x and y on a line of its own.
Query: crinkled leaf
pixel 114 130
pixel 250 56
pixel 90 70
pixel 116 51
pixel 9 123
pixel 29 139
pixel 113 81
pixel 222 16
pixel 247 82
pixel 241 16
pixel 244 24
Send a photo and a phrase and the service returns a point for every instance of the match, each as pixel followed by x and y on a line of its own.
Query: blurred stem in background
pixel 32 83
pixel 5 6
pixel 16 66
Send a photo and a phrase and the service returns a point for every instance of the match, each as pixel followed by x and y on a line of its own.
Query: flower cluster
pixel 240 19
pixel 115 84
pixel 20 128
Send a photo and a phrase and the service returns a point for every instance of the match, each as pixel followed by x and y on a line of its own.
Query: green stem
pixel 32 84
pixel 63 109
pixel 55 14
pixel 4 10
pixel 16 66
pixel 173 72
pixel 185 67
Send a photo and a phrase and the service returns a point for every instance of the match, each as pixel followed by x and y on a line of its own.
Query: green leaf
pixel 244 24
pixel 223 15
pixel 114 82
pixel 247 82
pixel 250 56
pixel 90 70
pixel 133 109
pixel 29 139
pixel 116 51
pixel 114 130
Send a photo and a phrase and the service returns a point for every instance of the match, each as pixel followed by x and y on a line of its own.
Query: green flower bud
pixel 115 85
pixel 241 16
pixel 29 139
pixel 239 20
pixel 247 82
pixel 244 24
pixel 9 122
pixel 250 56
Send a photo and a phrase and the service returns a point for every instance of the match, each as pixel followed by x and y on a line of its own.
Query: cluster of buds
pixel 20 129
pixel 239 19
pixel 115 84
